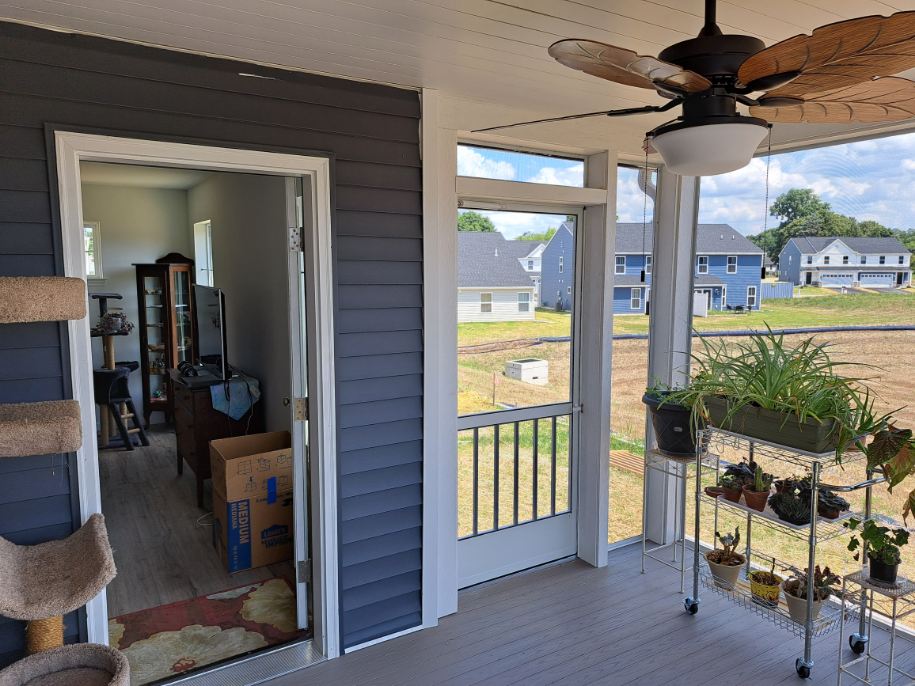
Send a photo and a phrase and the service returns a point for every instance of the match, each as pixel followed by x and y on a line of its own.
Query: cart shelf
pixel 718 441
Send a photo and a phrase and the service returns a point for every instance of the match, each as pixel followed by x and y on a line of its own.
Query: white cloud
pixel 473 163
pixel 560 176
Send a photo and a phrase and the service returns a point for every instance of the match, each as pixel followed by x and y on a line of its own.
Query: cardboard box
pixel 252 499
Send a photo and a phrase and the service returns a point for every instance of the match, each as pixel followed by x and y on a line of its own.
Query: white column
pixel 597 236
pixel 670 326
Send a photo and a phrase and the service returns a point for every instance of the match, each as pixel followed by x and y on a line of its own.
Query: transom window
pixel 751 296
pixel 635 299
pixel 702 264
pixel 485 302
pixel 732 264
pixel 511 165
pixel 620 264
pixel 524 302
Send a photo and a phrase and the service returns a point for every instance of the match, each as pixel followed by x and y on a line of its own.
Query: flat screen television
pixel 211 330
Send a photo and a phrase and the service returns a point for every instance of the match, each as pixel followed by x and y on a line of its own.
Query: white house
pixel 834 262
pixel 494 281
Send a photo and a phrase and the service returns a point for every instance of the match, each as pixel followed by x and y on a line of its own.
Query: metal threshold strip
pixel 257 668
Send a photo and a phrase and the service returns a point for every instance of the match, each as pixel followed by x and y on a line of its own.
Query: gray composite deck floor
pixel 572 624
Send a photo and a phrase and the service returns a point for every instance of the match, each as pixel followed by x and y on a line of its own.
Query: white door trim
pixel 71 149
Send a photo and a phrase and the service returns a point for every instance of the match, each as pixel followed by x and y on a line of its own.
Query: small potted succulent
pixel 787 484
pixel 673 428
pixel 791 507
pixel 765 586
pixel 731 487
pixel 831 505
pixel 882 544
pixel 756 493
pixel 797 587
pixel 725 562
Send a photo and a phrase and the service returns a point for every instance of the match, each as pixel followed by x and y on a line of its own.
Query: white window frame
pixel 203 252
pixel 648 264
pixel 99 273
pixel 620 262
pixel 733 264
pixel 635 298
pixel 845 259
pixel 568 290
pixel 524 305
pixel 754 297
pixel 902 259
pixel 702 264
pixel 530 265
pixel 484 303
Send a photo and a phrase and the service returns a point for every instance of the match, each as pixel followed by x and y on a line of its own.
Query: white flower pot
pixel 797 607
pixel 725 576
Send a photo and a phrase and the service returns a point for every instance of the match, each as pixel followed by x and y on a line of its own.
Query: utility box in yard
pixel 252 499
pixel 529 370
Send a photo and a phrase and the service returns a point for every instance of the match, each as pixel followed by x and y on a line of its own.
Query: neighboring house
pixel 529 255
pixel 833 262
pixel 728 268
pixel 492 283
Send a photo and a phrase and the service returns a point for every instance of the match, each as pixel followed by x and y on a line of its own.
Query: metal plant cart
pixel 715 442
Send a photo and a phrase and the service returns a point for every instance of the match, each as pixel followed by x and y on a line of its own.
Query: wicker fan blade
pixel 625 66
pixel 835 56
pixel 888 99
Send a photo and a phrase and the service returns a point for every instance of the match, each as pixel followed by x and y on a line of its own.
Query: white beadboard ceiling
pixel 488 57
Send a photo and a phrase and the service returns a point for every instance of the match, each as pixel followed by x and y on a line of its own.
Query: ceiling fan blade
pixel 887 99
pixel 834 56
pixel 625 66
pixel 670 104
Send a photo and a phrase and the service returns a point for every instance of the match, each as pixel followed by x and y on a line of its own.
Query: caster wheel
pixel 857 644
pixel 692 606
pixel 803 670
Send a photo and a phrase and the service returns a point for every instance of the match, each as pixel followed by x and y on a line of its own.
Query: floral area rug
pixel 165 641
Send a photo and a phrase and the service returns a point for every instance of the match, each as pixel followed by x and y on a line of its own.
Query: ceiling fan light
pixel 709 149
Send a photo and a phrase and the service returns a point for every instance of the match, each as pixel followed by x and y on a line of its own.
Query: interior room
pixel 191 345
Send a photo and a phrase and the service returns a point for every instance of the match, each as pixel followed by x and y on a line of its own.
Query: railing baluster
pixel 495 477
pixel 535 512
pixel 515 501
pixel 476 480
pixel 553 470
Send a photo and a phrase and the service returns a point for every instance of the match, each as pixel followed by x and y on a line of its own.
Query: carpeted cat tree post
pixel 41 583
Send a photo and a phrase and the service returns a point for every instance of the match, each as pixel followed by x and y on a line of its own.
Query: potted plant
pixel 673 428
pixel 791 507
pixel 756 493
pixel 787 484
pixel 725 562
pixel 765 586
pixel 729 486
pixel 796 589
pixel 882 545
pixel 830 505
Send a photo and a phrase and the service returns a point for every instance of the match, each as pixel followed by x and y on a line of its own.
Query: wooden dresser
pixel 197 423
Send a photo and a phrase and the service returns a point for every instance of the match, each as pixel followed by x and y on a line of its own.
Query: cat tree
pixel 41 583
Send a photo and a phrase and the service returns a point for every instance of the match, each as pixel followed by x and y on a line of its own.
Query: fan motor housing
pixel 713 56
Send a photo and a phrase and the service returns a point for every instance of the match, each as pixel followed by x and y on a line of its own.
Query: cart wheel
pixel 803 669
pixel 857 643
pixel 692 606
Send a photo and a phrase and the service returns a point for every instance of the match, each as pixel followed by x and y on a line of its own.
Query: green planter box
pixel 776 427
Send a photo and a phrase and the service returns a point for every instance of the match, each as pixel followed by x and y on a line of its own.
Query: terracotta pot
pixel 725 576
pixel 713 491
pixel 765 594
pixel 829 512
pixel 797 607
pixel 731 494
pixel 755 499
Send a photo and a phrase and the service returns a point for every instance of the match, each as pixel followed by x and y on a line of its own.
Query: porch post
pixel 670 326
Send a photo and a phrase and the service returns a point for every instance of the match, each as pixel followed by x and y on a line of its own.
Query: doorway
pixel 258 412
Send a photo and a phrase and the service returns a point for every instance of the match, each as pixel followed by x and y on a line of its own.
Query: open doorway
pixel 208 501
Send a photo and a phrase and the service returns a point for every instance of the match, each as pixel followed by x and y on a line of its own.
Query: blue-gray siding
pixel 789 264
pixel 50 80
pixel 557 287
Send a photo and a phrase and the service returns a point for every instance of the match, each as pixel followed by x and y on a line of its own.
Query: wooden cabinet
pixel 165 299
pixel 197 423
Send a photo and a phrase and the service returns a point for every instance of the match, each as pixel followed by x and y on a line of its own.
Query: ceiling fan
pixel 840 73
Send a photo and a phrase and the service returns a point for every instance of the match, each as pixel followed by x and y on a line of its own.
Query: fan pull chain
pixel 768 162
pixel 644 218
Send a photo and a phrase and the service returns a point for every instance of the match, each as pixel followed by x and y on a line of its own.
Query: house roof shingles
pixel 720 239
pixel 860 244
pixel 487 260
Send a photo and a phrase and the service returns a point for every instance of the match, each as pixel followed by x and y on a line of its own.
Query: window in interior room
pixel 512 165
pixel 203 252
pixel 92 248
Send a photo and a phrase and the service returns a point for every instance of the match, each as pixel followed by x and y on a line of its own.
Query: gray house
pixel 492 283
pixel 837 261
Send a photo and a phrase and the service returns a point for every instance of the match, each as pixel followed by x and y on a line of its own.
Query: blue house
pixel 728 268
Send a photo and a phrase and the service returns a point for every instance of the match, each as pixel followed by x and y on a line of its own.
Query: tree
pixel 474 221
pixel 797 203
pixel 541 236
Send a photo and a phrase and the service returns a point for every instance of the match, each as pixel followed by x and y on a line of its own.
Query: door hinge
pixel 301 409
pixel 295 239
pixel 303 571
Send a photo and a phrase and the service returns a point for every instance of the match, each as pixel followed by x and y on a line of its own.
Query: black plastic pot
pixel 882 572
pixel 777 427
pixel 673 427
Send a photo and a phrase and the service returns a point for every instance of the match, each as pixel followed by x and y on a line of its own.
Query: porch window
pixel 635 299
pixel 485 302
pixel 702 264
pixel 511 165
pixel 648 264
pixel 620 264
pixel 883 259
pixel 732 264
pixel 524 302
pixel 92 249
pixel 751 296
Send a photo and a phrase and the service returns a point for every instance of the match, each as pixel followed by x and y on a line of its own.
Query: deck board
pixel 572 624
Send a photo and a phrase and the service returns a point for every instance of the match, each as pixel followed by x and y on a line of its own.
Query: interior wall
pixel 137 225
pixel 248 215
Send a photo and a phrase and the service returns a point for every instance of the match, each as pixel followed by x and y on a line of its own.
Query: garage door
pixel 837 279
pixel 878 279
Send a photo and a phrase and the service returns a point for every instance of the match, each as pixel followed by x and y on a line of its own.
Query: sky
pixel 866 180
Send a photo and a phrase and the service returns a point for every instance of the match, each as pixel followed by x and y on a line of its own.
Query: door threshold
pixel 256 668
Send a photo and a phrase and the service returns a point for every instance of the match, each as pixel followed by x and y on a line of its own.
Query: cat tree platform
pixel 41 299
pixel 85 664
pixel 54 578
pixel 41 428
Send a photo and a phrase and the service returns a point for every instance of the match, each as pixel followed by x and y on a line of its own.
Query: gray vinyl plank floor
pixel 572 624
